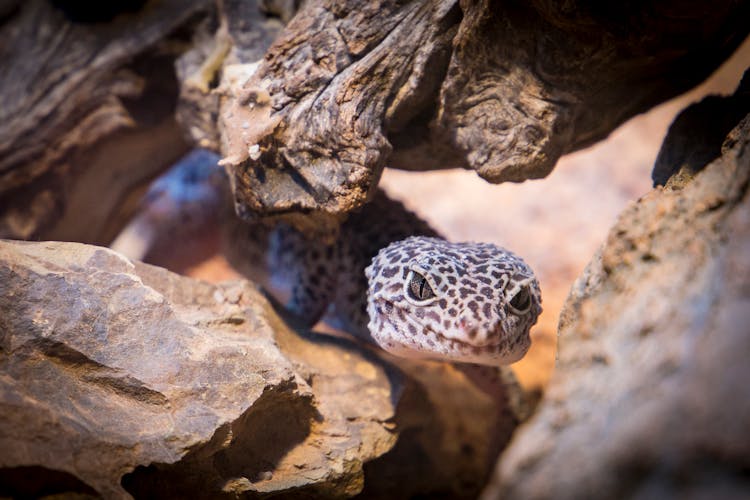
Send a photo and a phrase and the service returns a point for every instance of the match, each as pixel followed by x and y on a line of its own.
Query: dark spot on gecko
pixel 452 312
pixel 485 280
pixel 446 323
pixel 465 292
pixel 487 309
pixel 452 292
pixel 473 306
pixel 487 292
pixel 432 315
pixel 451 279
pixel 412 329
pixel 443 303
pixel 389 272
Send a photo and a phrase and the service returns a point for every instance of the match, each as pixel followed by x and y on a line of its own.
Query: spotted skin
pixel 468 315
pixel 388 277
pixel 362 281
pixel 312 278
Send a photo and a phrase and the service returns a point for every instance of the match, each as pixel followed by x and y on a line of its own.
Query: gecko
pixel 388 278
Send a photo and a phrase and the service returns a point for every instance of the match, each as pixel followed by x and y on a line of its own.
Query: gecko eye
pixel 521 301
pixel 419 288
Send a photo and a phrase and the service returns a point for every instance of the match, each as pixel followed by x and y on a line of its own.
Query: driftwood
pixel 87 103
pixel 87 98
pixel 499 87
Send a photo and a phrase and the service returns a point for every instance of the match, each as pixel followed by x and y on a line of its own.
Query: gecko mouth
pixel 489 347
pixel 492 347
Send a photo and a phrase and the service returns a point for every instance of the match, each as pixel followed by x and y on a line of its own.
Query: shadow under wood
pixel 251 447
pixel 697 135
pixel 36 481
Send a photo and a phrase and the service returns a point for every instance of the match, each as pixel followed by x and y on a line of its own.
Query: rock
pixel 120 378
pixel 649 397
pixel 499 88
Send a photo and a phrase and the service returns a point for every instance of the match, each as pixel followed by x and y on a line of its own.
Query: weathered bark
pixel 234 35
pixel 86 114
pixel 649 398
pixel 504 88
pixel 331 79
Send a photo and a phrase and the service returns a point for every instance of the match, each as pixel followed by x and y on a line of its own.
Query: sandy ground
pixel 556 223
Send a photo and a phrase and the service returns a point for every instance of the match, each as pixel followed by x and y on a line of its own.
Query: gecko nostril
pixel 469 328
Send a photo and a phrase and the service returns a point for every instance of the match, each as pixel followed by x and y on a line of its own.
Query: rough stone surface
pixel 502 88
pixel 122 378
pixel 649 398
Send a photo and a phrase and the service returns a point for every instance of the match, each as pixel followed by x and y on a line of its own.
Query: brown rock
pixel 109 365
pixel 120 377
pixel 649 397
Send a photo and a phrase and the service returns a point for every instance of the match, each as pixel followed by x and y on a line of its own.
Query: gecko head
pixel 465 302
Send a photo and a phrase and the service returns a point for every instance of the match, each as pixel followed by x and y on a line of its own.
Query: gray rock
pixel 649 398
